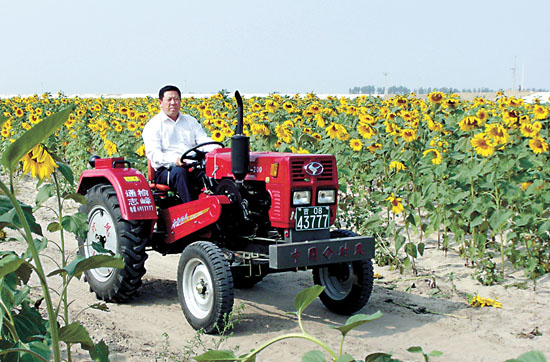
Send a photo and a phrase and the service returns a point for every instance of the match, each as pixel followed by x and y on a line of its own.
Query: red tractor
pixel 254 213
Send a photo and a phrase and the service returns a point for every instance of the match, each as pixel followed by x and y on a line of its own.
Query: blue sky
pixel 287 46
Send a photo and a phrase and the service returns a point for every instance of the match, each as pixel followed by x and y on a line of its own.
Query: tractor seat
pixel 151 178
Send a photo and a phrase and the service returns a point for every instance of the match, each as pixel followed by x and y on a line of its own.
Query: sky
pixel 286 46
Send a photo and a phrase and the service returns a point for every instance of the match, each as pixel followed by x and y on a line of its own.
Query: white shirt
pixel 165 139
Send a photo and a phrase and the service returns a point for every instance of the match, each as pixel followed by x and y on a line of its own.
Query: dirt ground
pixel 427 310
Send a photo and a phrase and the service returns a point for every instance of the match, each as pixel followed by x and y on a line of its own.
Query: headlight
pixel 301 197
pixel 326 196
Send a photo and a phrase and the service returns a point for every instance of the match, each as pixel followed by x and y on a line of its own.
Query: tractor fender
pixel 132 190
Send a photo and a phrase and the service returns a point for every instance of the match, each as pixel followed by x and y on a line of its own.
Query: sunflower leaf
pixel 2 120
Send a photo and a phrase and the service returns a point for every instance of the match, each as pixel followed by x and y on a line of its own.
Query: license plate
pixel 312 218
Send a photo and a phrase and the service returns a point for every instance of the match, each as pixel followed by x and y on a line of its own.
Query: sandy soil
pixel 428 310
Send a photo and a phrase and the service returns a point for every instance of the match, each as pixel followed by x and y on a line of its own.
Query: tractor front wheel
pixel 205 286
pixel 348 286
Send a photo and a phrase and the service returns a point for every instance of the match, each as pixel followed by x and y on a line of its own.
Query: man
pixel 167 136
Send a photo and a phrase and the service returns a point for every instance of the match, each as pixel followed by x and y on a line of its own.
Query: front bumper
pixel 320 252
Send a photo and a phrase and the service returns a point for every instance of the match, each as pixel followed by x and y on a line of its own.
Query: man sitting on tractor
pixel 167 136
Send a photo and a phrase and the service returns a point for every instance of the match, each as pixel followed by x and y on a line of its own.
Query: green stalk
pixel 38 264
pixel 497 199
pixel 288 336
pixel 10 324
pixel 10 350
pixel 64 296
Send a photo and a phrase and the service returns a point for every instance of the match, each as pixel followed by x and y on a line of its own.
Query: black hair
pixel 167 88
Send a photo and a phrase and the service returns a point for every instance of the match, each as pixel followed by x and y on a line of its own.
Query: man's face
pixel 170 104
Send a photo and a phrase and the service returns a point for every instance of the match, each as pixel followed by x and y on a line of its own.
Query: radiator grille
pixel 298 173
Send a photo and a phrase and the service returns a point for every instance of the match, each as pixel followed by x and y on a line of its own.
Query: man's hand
pixel 179 163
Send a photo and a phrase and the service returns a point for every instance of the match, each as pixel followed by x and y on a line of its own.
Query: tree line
pixel 371 89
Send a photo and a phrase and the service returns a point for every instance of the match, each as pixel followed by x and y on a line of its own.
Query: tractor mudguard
pixel 185 219
pixel 131 187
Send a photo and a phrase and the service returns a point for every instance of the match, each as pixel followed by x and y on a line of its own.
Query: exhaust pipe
pixel 240 145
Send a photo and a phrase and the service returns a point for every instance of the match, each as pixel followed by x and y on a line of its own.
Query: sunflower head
pixel 39 163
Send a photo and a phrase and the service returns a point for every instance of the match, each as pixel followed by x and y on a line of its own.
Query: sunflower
pixel 141 150
pixel 271 106
pixel 511 118
pixel 19 112
pixel 39 163
pixel 332 130
pixel 525 185
pixel 35 119
pixel 538 145
pixel 451 103
pixel 436 97
pixel 392 129
pixel 284 133
pixel 483 145
pixel 436 155
pixel 366 130
pixel 540 112
pixel 288 106
pixel 317 136
pixel 366 118
pixel 398 166
pixel 374 147
pixel 314 108
pixel 259 129
pixel 397 205
pixel 432 125
pixel 343 134
pixel 321 123
pixel 470 123
pixel 132 126
pixel 110 147
pixel 409 135
pixel 498 133
pixel 218 136
pixel 132 114
pixel 482 114
pixel 439 143
pixel 530 129
pixel 355 144
pixel 298 150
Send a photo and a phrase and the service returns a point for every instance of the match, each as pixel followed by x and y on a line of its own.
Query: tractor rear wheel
pixel 348 286
pixel 117 235
pixel 205 286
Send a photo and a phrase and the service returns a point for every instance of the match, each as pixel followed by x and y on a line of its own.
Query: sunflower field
pixel 473 174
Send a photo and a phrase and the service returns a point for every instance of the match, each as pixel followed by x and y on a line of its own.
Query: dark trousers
pixel 181 180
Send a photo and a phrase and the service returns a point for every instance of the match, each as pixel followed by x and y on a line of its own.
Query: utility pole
pixel 385 83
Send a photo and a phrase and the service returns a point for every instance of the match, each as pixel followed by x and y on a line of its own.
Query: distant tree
pixel 369 89
pixel 398 90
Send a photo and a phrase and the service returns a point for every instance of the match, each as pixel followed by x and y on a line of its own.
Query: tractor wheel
pixel 125 237
pixel 205 286
pixel 348 286
pixel 242 278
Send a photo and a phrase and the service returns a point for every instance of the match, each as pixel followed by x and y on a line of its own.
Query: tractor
pixel 252 214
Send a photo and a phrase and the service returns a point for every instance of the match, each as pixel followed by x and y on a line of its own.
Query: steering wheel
pixel 198 155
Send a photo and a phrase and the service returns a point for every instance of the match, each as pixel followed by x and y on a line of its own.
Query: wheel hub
pixel 102 231
pixel 202 288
